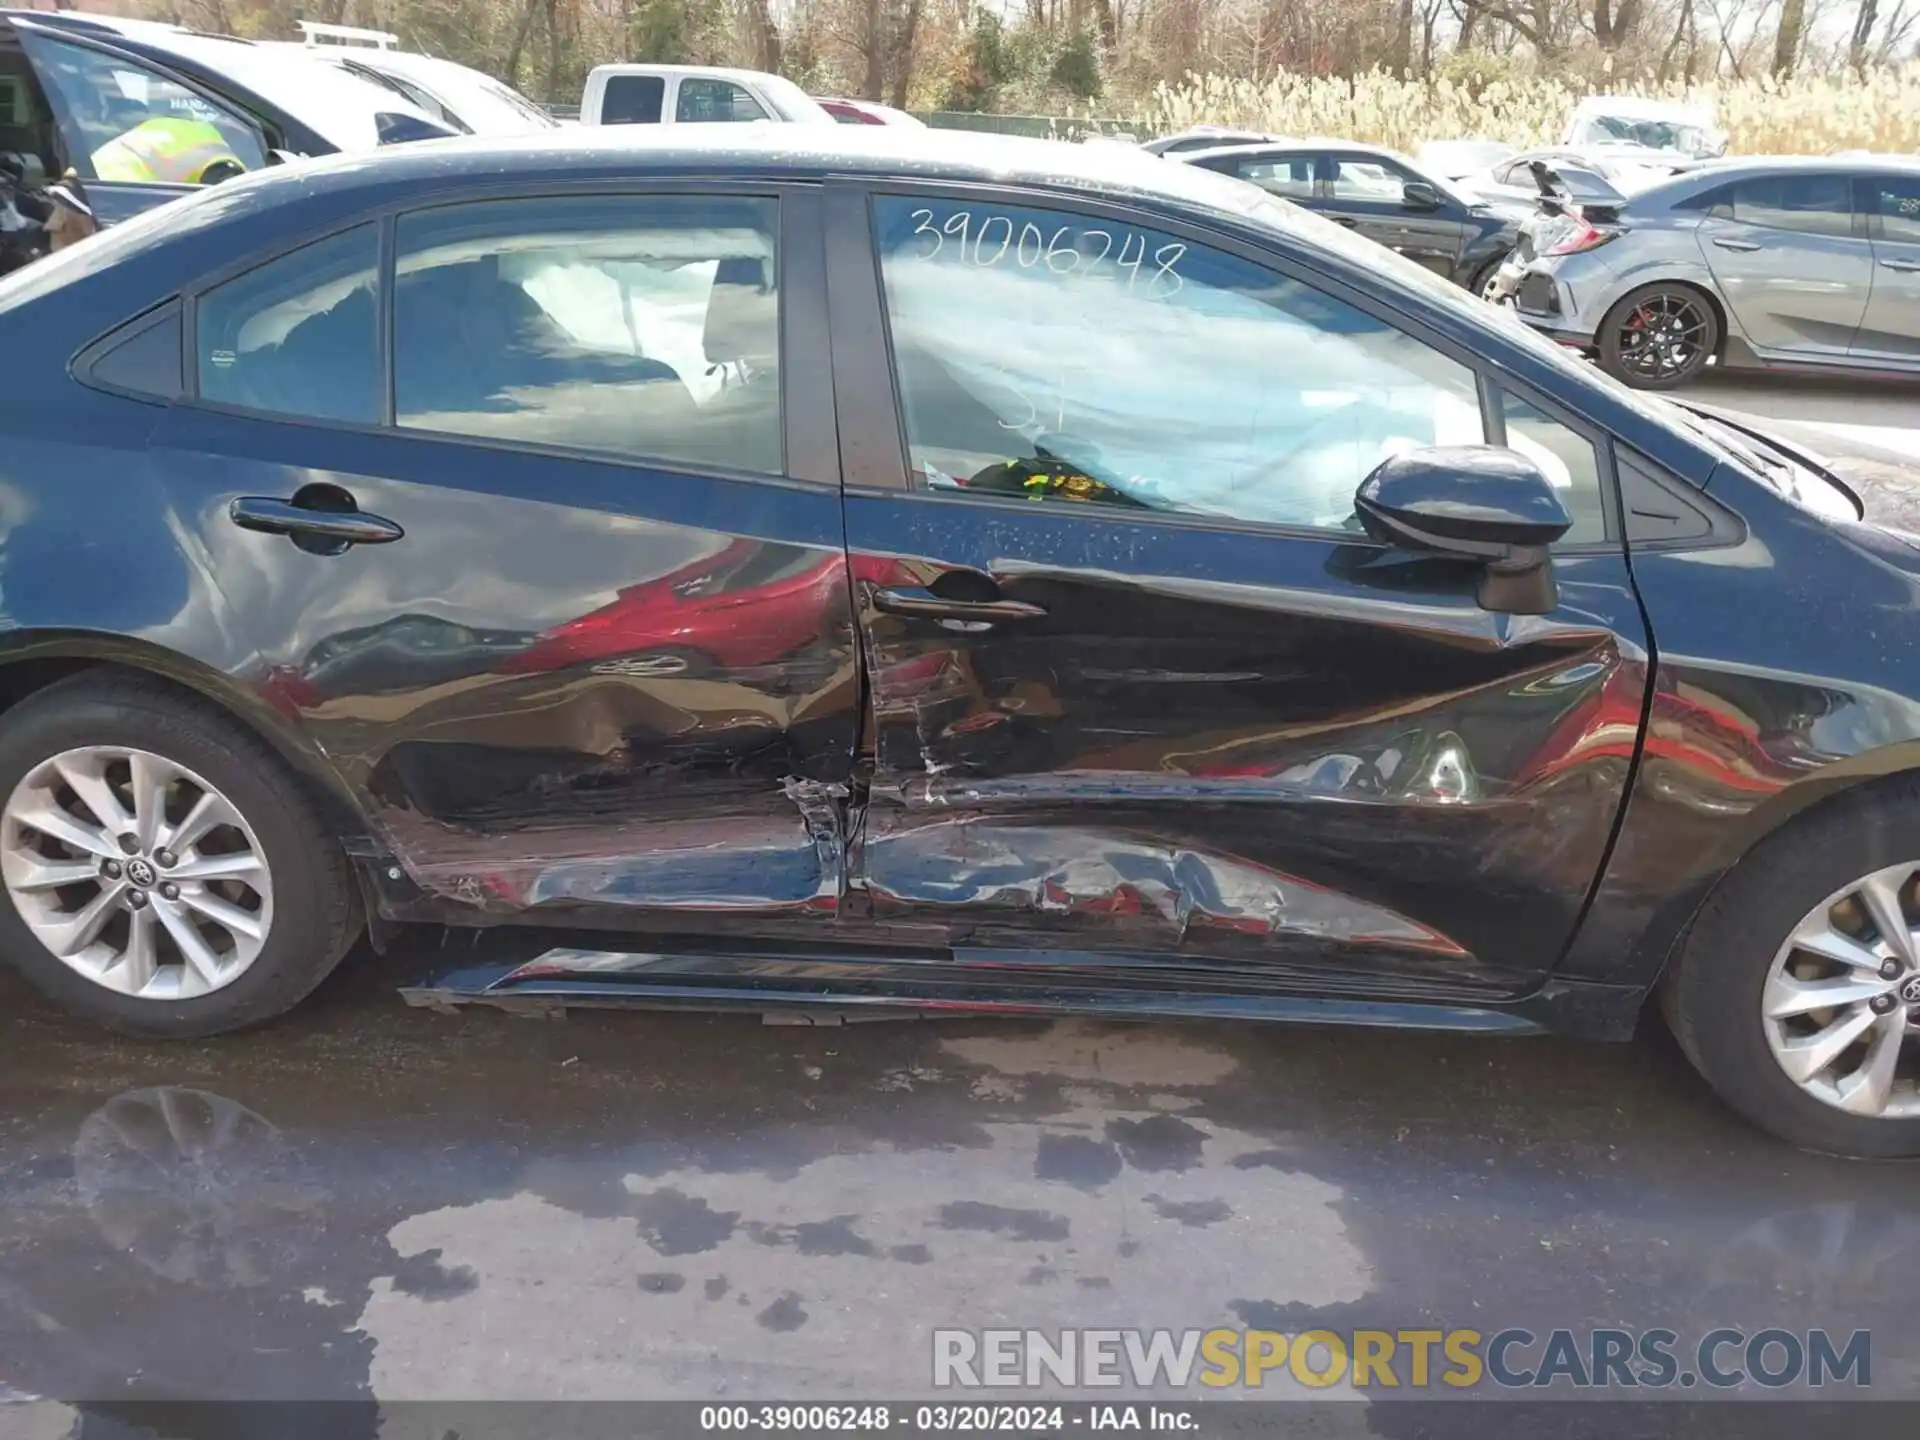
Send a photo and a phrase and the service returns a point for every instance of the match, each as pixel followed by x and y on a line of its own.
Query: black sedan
pixel 1383 197
pixel 882 569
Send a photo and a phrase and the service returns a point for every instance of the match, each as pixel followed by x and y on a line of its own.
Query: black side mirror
pixel 1419 195
pixel 1472 502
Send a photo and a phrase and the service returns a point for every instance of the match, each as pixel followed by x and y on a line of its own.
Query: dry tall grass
pixel 1805 115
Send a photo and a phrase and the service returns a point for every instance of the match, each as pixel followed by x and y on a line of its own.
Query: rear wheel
pixel 1659 337
pixel 1798 993
pixel 165 872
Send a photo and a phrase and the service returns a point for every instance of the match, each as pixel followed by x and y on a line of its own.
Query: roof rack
pixel 316 33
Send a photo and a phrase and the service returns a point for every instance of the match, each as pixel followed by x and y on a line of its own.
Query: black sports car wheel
pixel 1659 337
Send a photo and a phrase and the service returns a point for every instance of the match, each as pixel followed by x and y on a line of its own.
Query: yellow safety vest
pixel 163 147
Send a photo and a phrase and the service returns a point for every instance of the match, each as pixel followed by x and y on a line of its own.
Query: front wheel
pixel 1659 337
pixel 165 873
pixel 1798 992
pixel 1485 278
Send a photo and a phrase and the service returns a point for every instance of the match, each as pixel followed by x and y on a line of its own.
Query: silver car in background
pixel 1803 264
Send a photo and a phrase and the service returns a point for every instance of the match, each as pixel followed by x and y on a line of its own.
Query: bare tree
pixel 1786 42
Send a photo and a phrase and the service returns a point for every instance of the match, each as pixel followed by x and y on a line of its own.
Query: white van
pixel 693 94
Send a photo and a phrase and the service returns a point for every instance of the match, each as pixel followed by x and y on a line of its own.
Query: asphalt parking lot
pixel 368 1201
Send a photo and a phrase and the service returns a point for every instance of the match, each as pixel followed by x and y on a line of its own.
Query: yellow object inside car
pixel 167 148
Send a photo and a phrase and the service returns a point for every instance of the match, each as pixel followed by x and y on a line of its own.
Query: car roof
pixel 1313 144
pixel 764 149
pixel 642 67
pixel 1735 167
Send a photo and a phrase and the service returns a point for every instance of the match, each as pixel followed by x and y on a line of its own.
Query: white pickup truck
pixel 693 94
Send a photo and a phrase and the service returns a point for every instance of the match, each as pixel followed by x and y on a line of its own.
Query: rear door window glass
pixel 299 335
pixel 641 326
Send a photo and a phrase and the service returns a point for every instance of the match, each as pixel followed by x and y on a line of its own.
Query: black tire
pixel 1618 357
pixel 1712 994
pixel 316 908
pixel 1483 277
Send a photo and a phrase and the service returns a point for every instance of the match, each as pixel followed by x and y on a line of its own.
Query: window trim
pixel 876 454
pixel 800 432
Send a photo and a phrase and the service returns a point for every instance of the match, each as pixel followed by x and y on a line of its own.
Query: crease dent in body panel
pixel 978 866
pixel 737 859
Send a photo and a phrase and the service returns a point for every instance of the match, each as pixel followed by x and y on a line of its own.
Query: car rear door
pixel 1792 261
pixel 1368 193
pixel 1139 694
pixel 101 94
pixel 1890 331
pixel 554 577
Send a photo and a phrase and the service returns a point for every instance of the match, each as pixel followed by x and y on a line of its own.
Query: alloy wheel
pixel 1841 1004
pixel 135 872
pixel 1664 336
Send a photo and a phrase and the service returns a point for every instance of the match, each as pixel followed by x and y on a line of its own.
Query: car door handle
pixel 1904 266
pixel 1344 220
pixel 924 604
pixel 283 517
pixel 1727 242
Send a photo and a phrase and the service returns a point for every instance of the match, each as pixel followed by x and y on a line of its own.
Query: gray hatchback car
pixel 1803 264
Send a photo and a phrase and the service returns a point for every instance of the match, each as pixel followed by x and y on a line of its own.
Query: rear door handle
pixel 1727 242
pixel 1906 267
pixel 339 527
pixel 1346 220
pixel 924 604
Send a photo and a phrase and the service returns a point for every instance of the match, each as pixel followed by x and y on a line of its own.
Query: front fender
pixel 1786 676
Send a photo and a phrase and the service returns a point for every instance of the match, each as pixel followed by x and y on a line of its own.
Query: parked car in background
pixel 1453 159
pixel 868 112
pixel 1584 173
pixel 693 94
pixel 1810 264
pixel 143 113
pixel 463 99
pixel 1380 195
pixel 1684 131
pixel 1204 137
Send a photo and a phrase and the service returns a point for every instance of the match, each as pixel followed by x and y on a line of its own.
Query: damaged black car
pixel 902 572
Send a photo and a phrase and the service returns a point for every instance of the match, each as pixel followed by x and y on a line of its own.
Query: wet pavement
pixel 368 1200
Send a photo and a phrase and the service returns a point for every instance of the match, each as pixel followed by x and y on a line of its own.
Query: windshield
pixel 483 104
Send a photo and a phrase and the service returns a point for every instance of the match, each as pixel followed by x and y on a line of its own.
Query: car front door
pixel 554 580
pixel 1137 683
pixel 1791 260
pixel 1369 193
pixel 1891 329
pixel 136 135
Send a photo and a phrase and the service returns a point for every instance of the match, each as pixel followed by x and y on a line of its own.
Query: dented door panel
pixel 1269 749
pixel 570 683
